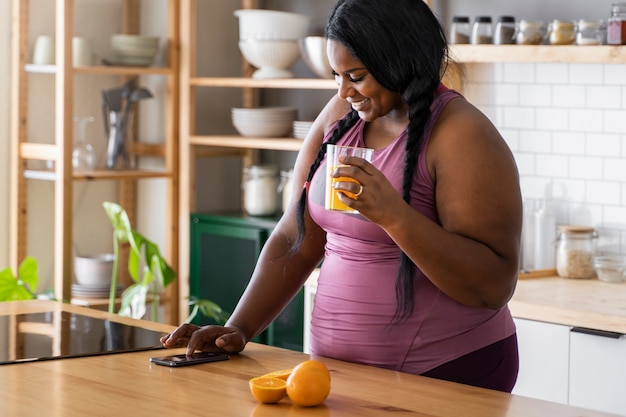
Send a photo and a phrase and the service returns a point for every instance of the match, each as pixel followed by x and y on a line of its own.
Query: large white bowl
pixel 271 57
pixel 271 24
pixel 135 41
pixel 94 270
pixel 264 121
pixel 313 51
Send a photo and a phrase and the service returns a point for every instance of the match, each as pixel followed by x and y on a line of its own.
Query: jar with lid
pixel 504 34
pixel 562 32
pixel 531 32
pixel 460 30
pixel 575 251
pixel 616 25
pixel 261 190
pixel 482 31
pixel 286 188
pixel 591 32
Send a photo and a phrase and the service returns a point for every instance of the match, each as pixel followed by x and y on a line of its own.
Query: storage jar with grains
pixel 460 30
pixel 591 32
pixel 531 32
pixel 504 33
pixel 482 31
pixel 562 32
pixel 261 190
pixel 575 251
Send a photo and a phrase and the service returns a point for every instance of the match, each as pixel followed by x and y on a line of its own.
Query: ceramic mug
pixel 81 52
pixel 43 52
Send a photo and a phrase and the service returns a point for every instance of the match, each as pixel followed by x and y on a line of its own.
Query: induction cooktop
pixel 60 334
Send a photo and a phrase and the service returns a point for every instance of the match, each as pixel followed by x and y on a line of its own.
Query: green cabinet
pixel 224 249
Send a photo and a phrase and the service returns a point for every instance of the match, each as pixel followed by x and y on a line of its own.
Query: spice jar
pixel 531 32
pixel 481 31
pixel 504 33
pixel 460 30
pixel 260 190
pixel 574 252
pixel 591 32
pixel 616 26
pixel 562 32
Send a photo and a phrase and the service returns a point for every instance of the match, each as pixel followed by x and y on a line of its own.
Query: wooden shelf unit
pixel 582 54
pixel 60 150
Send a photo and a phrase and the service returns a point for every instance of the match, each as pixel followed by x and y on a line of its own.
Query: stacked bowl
pixel 134 50
pixel 268 39
pixel 264 121
pixel 301 128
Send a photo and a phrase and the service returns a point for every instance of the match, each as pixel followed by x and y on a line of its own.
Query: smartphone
pixel 193 359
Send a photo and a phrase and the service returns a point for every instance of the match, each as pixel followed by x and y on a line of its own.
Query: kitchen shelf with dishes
pixel 67 57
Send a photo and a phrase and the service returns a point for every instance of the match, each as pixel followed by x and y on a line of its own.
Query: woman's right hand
pixel 205 339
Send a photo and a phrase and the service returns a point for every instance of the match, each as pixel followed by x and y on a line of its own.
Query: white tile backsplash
pixel 566 125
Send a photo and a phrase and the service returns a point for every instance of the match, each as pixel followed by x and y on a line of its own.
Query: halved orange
pixel 282 374
pixel 268 390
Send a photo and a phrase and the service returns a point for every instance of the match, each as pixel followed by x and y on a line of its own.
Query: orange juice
pixel 332 195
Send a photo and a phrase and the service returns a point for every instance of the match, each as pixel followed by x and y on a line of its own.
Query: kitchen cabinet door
pixel 224 252
pixel 598 370
pixel 544 360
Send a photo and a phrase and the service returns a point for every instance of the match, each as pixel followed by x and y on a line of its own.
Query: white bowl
pixel 313 51
pixel 135 41
pixel 271 24
pixel 264 121
pixel 135 52
pixel 271 57
pixel 94 270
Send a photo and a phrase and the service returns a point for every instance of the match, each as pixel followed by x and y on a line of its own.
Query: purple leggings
pixel 495 367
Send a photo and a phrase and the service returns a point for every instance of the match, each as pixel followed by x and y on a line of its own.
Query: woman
pixel 419 280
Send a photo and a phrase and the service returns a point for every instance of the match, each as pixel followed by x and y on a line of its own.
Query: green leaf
pixel 134 301
pixel 11 289
pixel 27 273
pixel 208 309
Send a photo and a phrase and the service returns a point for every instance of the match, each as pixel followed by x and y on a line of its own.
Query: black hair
pixel 404 47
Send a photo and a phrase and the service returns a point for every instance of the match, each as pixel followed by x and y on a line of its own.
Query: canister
pixel 591 32
pixel 260 187
pixel 562 32
pixel 460 30
pixel 481 31
pixel 504 34
pixel 531 32
pixel 575 251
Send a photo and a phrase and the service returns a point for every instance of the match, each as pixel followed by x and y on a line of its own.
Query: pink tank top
pixel 356 299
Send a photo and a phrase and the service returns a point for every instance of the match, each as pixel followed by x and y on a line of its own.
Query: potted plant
pixel 147 268
pixel 21 286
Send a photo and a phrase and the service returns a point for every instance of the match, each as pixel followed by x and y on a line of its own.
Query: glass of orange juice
pixel 333 154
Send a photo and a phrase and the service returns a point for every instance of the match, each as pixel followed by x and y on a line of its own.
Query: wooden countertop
pixel 128 384
pixel 574 302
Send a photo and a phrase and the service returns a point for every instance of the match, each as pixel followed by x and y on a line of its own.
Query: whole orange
pixel 309 383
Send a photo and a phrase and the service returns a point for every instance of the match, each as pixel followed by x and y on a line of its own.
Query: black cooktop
pixel 59 335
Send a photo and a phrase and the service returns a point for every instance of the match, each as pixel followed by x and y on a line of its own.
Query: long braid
pixel 342 127
pixel 418 97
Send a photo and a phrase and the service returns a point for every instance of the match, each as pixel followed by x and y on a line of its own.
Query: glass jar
pixel 575 251
pixel 460 30
pixel 286 188
pixel 504 34
pixel 531 32
pixel 261 190
pixel 591 32
pixel 562 32
pixel 616 26
pixel 482 31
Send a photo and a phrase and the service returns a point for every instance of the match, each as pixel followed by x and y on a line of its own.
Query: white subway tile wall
pixel 566 125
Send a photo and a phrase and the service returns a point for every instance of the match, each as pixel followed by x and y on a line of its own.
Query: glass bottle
pixel 482 31
pixel 575 251
pixel 83 154
pixel 261 190
pixel 504 34
pixel 616 26
pixel 460 30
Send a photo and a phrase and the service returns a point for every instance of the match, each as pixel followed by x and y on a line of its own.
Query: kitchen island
pixel 128 384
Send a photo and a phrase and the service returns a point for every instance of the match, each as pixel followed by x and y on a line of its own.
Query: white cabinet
pixel 598 371
pixel 544 360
